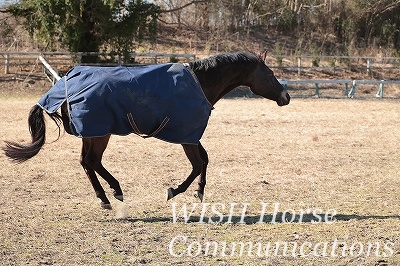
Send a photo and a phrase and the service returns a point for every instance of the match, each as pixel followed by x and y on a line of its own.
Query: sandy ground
pixel 325 170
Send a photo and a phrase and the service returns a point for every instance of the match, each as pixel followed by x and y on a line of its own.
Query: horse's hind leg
pixel 95 148
pixel 193 154
pixel 98 189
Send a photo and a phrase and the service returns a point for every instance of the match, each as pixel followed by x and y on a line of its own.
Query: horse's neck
pixel 217 83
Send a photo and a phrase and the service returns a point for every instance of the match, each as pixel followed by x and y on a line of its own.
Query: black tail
pixel 20 153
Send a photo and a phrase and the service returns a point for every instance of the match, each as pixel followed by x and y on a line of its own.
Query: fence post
pixel 334 65
pixel 353 90
pixel 316 90
pixel 299 65
pixel 368 66
pixel 379 94
pixel 7 65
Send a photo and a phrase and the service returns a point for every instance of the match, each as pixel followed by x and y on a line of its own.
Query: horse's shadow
pixel 256 219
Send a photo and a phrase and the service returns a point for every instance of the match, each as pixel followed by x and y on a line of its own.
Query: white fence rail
pixel 348 93
pixel 54 74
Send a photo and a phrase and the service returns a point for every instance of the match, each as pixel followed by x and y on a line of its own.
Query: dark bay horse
pixel 217 75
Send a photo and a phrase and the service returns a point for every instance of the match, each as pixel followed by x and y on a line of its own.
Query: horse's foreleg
pixel 93 159
pixel 98 189
pixel 193 154
pixel 202 182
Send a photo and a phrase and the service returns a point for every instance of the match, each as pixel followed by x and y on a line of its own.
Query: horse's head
pixel 264 83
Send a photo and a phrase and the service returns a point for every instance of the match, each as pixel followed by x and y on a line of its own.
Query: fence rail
pixel 294 63
pixel 59 58
pixel 334 63
pixel 348 93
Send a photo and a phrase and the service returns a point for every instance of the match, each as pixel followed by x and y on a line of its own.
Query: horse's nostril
pixel 284 99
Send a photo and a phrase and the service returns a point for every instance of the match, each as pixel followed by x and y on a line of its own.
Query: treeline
pixel 333 26
pixel 302 26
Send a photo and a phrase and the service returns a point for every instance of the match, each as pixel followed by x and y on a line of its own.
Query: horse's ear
pixel 264 55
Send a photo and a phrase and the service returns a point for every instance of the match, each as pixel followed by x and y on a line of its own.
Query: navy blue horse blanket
pixel 163 101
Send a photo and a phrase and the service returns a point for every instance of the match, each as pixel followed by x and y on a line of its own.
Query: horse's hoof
pixel 200 195
pixel 106 206
pixel 170 193
pixel 119 197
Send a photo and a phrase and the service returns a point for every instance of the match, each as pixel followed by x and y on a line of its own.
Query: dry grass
pixel 320 154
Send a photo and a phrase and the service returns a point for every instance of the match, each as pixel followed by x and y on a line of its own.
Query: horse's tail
pixel 20 153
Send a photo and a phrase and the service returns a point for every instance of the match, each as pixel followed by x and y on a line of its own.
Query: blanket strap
pixel 137 131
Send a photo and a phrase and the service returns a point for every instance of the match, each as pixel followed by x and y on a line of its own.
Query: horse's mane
pixel 221 59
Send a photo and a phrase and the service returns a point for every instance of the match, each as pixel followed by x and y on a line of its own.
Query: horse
pixel 217 76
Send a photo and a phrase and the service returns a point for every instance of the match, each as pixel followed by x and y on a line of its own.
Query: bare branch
pixel 381 7
pixel 184 6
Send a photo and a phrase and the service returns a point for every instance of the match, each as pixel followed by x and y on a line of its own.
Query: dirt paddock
pixel 313 183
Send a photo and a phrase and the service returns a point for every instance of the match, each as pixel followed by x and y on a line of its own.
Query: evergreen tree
pixel 89 25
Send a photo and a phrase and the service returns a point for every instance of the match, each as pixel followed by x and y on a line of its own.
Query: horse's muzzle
pixel 284 99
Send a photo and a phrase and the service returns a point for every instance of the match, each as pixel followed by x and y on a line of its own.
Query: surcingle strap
pixel 137 131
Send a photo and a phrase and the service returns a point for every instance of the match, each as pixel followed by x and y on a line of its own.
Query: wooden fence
pixel 70 59
pixel 51 60
pixel 296 63
pixel 334 63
